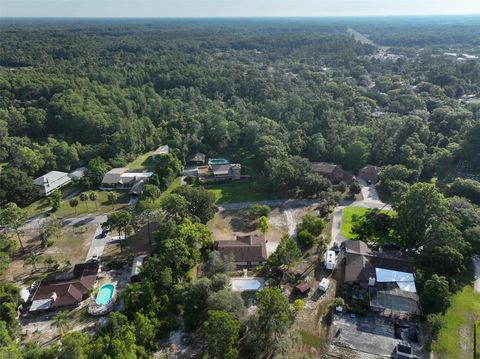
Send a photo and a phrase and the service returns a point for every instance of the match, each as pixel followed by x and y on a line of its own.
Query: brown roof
pixel 361 262
pixel 70 289
pixel 249 248
pixel 302 288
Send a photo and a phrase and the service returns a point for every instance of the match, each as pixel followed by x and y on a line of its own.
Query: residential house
pixel 52 181
pixel 197 159
pixel 369 173
pixel 162 150
pixel 122 178
pixel 219 172
pixel 65 290
pixel 333 172
pixel 247 251
pixel 386 278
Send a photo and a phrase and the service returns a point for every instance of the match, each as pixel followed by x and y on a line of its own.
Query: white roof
pixel 404 280
pixel 162 150
pixel 137 263
pixel 331 256
pixel 41 304
pixel 78 173
pixel 25 294
pixel 49 177
pixel 324 283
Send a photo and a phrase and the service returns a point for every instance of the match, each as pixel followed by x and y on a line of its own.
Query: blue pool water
pixel 105 294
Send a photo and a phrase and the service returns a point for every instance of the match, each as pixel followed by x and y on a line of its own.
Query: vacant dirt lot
pixel 72 245
pixel 227 224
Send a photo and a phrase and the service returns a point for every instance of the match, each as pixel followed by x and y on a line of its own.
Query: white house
pixel 52 181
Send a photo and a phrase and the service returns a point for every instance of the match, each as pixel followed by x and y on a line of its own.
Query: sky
pixel 233 8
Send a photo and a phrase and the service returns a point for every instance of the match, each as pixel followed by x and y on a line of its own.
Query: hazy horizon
pixel 234 9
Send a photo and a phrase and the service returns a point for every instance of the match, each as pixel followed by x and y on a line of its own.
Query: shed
pixel 136 268
pixel 302 288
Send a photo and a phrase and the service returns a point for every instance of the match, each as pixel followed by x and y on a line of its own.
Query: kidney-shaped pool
pixel 105 294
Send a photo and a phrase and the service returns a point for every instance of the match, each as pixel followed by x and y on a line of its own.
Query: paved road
pixel 370 200
pixel 271 203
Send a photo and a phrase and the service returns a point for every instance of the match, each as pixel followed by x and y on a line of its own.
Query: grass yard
pixel 143 162
pixel 103 205
pixel 177 182
pixel 455 339
pixel 241 191
pixel 310 339
pixel 347 215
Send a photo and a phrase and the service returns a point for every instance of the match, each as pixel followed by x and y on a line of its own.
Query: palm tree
pixel 112 197
pixel 84 198
pixel 93 197
pixel 32 259
pixel 61 321
pixel 73 203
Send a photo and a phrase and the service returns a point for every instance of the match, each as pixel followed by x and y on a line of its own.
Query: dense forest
pixel 283 92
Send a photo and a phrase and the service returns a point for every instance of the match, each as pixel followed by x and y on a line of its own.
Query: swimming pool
pixel 105 294
pixel 218 161
pixel 247 284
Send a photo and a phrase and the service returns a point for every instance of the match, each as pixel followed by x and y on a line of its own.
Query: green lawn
pixel 347 214
pixel 455 339
pixel 143 162
pixel 103 205
pixel 175 183
pixel 241 191
pixel 310 339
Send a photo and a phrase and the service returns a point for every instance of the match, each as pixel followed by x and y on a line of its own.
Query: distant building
pixel 369 173
pixel 332 171
pixel 198 159
pixel 124 178
pixel 52 181
pixel 78 173
pixel 219 172
pixel 162 150
pixel 64 290
pixel 249 250
pixel 386 278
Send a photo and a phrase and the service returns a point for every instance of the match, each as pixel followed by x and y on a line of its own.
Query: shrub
pixel 298 304
pixel 259 210
pixel 305 238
